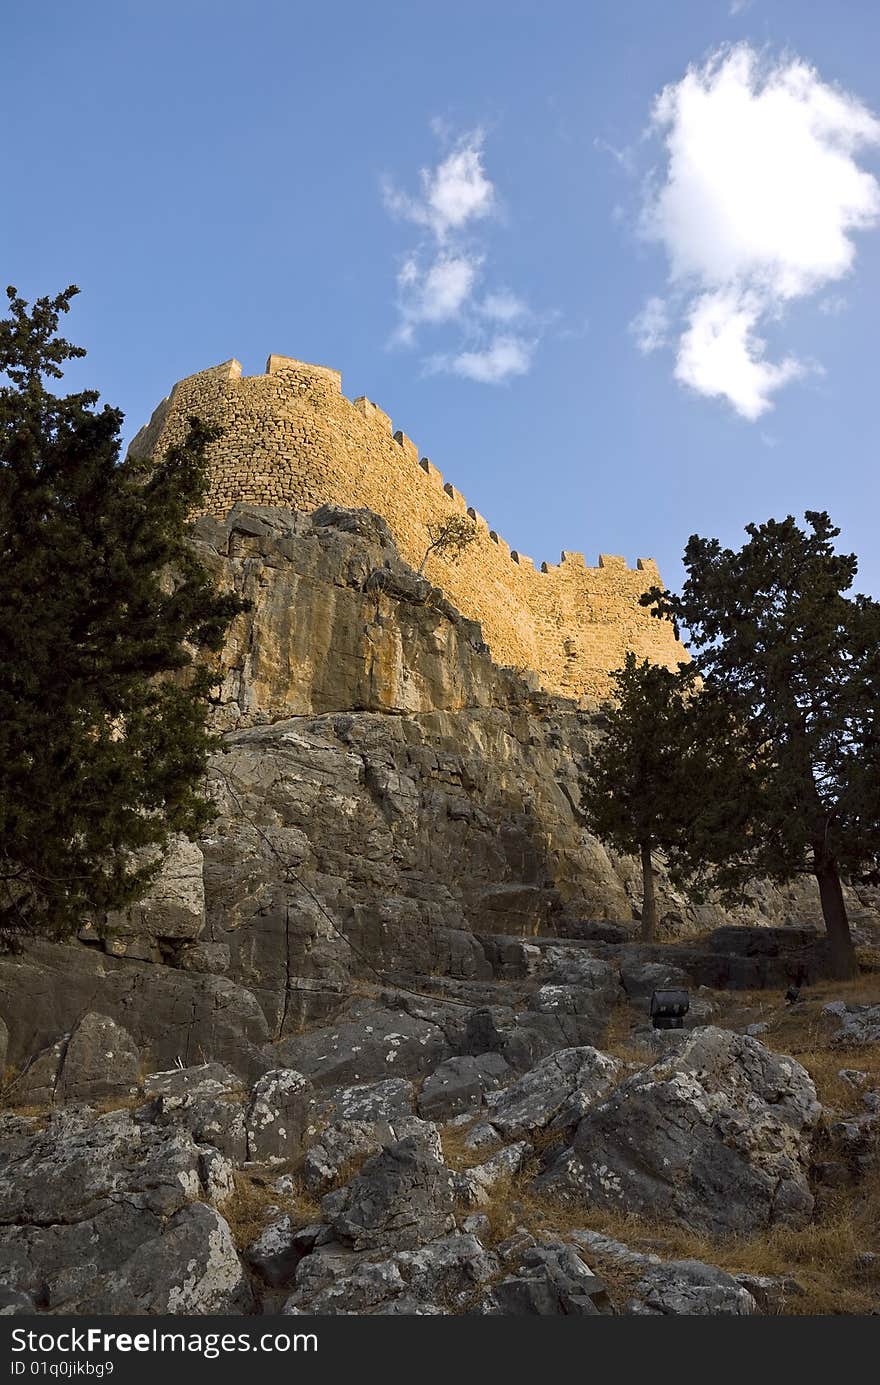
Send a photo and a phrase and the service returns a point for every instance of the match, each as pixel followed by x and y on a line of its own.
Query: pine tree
pixel 791 670
pixel 634 789
pixel 104 610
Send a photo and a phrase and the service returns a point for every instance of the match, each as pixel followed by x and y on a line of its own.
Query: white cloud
pixel 739 7
pixel 504 357
pixel 438 293
pixel 503 307
pixel 455 192
pixel 720 354
pixel 760 196
pixel 650 326
pixel 440 281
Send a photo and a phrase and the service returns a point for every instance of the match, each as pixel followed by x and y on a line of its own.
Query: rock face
pixel 389 802
pixel 715 1135
pixel 103 1216
pixel 374 982
pixel 171 1015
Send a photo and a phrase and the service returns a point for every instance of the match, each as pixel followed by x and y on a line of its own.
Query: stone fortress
pixel 291 439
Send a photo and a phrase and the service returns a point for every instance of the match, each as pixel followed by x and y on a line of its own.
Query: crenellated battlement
pixel 291 438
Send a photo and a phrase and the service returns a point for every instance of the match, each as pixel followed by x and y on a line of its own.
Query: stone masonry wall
pixel 292 439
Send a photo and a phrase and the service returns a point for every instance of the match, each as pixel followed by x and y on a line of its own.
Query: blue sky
pixel 471 211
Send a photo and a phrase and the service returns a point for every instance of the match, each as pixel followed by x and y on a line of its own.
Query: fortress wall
pixel 292 439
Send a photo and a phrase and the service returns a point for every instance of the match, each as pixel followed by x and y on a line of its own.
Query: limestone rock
pixel 381 1043
pixel 859 1024
pixel 475 1184
pixel 551 1281
pixel 402 1197
pixel 174 907
pixel 555 1093
pixel 459 1085
pixel 191 1268
pixel 715 1135
pixel 107 1214
pixel 375 1101
pixel 207 1101
pixel 275 1253
pixel 689 1287
pixel 101 1060
pixel 676 1287
pixel 336 1279
pixel 278 1115
pixel 343 1147
pixel 172 1016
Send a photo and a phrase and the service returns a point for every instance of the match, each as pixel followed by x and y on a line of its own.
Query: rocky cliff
pixel 388 800
pixel 383 974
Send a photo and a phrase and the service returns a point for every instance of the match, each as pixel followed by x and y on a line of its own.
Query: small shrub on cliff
pixel 450 539
pixel 102 606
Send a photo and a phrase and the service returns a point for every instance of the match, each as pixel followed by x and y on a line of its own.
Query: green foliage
pixel 791 670
pixel 631 788
pixel 635 789
pixel 103 605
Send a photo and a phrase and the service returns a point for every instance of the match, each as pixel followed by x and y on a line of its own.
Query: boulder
pixel 552 1281
pixel 555 1093
pixel 207 1100
pixel 334 1280
pixel 278 1115
pixel 640 977
pixel 13 1302
pixel 402 1197
pixel 275 1253
pixel 673 1287
pixel 459 1085
pixel 365 1049
pixel 859 1024
pixel 341 1148
pixel 191 1268
pixel 36 1084
pixel 101 1061
pixel 173 1017
pixel 375 1101
pixel 691 1288
pixel 203 1080
pixel 715 1135
pixel 474 1184
pixel 108 1214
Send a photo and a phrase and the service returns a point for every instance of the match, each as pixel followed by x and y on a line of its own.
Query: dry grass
pixel 619 1041
pixel 822 1257
pixel 247 1210
pixel 456 1154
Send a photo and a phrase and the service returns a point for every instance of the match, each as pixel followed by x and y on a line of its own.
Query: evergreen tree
pixel 635 787
pixel 103 605
pixel 791 682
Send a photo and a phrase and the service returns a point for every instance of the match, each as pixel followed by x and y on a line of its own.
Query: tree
pixel 450 538
pixel 791 682
pixel 104 614
pixel 635 785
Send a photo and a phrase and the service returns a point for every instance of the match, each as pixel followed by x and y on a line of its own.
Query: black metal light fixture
pixel 668 1009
